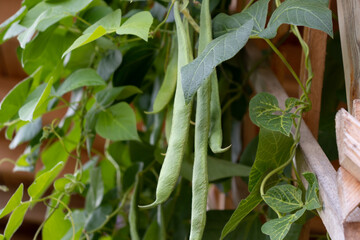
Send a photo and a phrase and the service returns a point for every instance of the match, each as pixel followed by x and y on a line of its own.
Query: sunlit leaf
pixel 15 220
pixel 13 202
pixel 43 181
pixel 139 25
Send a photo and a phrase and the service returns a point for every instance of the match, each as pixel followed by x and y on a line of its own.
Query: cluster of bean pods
pixel 208 129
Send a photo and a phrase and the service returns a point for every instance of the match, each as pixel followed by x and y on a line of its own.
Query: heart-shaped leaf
pixel 265 112
pixel 284 198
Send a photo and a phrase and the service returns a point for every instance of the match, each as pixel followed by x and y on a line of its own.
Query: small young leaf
pixel 35 102
pixel 13 202
pixel 217 51
pixel 139 25
pixel 284 198
pixel 311 198
pixel 26 133
pixel 308 13
pixel 15 220
pixel 80 78
pixel 273 151
pixel 42 182
pixel 265 112
pixel 117 123
pixel 223 23
pixel 278 228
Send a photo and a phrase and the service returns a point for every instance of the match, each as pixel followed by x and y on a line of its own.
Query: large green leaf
pixel 273 151
pixel 15 220
pixel 14 100
pixel 35 103
pixel 13 202
pixel 80 78
pixel 243 209
pixel 309 13
pixel 223 23
pixel 107 24
pixel 26 133
pixel 138 24
pixel 45 14
pixel 311 197
pixel 43 181
pixel 278 228
pixel 284 198
pixel 217 51
pixel 117 123
pixel 265 112
pixel 59 10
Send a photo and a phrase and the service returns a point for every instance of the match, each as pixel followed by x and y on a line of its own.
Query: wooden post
pixel 316 41
pixel 349 22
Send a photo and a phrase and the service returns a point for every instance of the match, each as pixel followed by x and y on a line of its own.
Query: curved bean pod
pixel 170 170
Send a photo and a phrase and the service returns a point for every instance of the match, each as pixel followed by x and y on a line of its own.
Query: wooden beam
pixel 310 157
pixel 349 21
pixel 348 141
pixel 316 41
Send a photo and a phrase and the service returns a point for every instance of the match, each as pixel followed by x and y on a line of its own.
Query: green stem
pixel 190 19
pixel 248 5
pixel 164 21
pixel 287 64
pixel 114 163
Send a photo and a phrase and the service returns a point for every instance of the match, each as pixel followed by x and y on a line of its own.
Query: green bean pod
pixel 168 86
pixel 216 136
pixel 202 128
pixel 170 170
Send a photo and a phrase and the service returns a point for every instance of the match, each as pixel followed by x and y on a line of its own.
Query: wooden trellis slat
pixel 349 22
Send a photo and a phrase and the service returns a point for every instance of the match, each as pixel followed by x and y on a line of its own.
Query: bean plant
pixel 150 82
